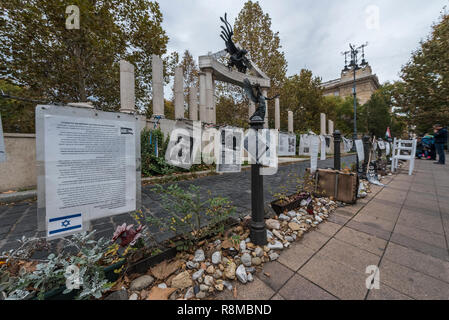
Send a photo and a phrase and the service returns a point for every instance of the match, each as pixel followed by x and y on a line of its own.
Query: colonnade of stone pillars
pixel 179 93
pixel 127 87
pixel 158 86
pixel 277 114
pixel 330 127
pixel 290 121
pixel 193 103
pixel 323 124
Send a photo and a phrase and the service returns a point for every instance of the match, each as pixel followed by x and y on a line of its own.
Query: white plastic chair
pixel 404 145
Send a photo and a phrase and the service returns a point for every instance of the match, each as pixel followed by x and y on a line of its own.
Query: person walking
pixel 440 137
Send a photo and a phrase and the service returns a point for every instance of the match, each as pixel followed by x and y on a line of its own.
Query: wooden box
pixel 339 185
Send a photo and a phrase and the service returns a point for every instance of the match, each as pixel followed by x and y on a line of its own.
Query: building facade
pixel 366 84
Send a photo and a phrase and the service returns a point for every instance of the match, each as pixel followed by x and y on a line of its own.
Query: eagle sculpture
pixel 237 56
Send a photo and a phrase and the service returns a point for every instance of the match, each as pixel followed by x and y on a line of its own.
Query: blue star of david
pixel 65 223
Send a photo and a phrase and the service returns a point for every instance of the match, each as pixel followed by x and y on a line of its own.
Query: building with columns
pixel 366 84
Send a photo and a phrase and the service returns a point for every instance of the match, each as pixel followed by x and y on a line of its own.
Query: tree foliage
pixel 61 65
pixel 425 92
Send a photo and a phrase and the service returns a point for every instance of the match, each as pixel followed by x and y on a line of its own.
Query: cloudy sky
pixel 313 32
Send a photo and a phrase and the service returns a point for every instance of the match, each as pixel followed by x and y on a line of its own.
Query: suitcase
pixel 339 185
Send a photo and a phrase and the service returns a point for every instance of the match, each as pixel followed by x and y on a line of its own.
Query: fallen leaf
pixel 164 269
pixel 267 274
pixel 227 244
pixel 157 293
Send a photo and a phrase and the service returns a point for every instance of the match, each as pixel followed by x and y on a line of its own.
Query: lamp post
pixel 354 52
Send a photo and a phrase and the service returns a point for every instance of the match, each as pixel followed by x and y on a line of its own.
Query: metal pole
pixel 355 101
pixel 258 233
pixel 337 154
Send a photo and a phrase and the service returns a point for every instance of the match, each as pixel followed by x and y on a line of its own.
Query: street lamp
pixel 354 64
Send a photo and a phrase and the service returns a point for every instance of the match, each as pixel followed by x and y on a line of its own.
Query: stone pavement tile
pixel 422 196
pixel 386 293
pixel 314 240
pixel 374 222
pixel 421 221
pixel 256 290
pixel 328 228
pixel 349 255
pixel 295 256
pixel 362 240
pixel 424 187
pixel 391 196
pixel 382 211
pixel 431 238
pixel 336 278
pixel 374 231
pixel 422 205
pixel 299 288
pixel 277 296
pixel 412 283
pixel 278 275
pixel 339 218
pixel 420 246
pixel 352 209
pixel 418 261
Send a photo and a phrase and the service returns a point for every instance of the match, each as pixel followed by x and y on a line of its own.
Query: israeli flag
pixel 66 224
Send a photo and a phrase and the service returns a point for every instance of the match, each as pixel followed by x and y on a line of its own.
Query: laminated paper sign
pixel 90 168
pixel 304 144
pixel 360 152
pixel 2 143
pixel 314 148
pixel 287 144
pixel 230 150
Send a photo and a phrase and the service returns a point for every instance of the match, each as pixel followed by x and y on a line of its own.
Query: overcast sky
pixel 313 32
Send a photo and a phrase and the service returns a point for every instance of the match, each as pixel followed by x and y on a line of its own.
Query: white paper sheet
pixel 287 144
pixel 360 152
pixel 90 170
pixel 2 143
pixel 314 149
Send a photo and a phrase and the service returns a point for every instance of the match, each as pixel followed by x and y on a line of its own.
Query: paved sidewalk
pixel 402 228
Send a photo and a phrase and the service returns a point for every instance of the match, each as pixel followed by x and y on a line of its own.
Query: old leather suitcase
pixel 337 184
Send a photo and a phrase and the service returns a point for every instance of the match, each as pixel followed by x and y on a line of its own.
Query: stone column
pixel 179 93
pixel 158 86
pixel 203 100
pixel 193 103
pixel 265 93
pixel 127 87
pixel 323 124
pixel 330 127
pixel 290 121
pixel 209 96
pixel 251 108
pixel 277 114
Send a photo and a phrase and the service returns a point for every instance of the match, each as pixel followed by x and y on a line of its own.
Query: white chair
pixel 404 145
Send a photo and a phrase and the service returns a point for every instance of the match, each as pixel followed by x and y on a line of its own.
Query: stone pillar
pixel 330 127
pixel 158 86
pixel 203 100
pixel 265 93
pixel 277 114
pixel 290 121
pixel 210 108
pixel 323 124
pixel 179 93
pixel 251 108
pixel 193 103
pixel 127 87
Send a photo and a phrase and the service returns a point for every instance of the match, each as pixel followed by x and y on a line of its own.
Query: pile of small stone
pixel 214 266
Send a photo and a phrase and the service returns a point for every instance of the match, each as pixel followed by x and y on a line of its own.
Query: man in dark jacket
pixel 440 140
